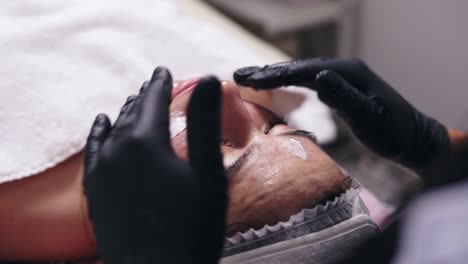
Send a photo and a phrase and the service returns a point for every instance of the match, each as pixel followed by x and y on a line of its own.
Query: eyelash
pixel 274 121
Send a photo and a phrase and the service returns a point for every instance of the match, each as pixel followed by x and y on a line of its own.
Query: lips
pixel 183 86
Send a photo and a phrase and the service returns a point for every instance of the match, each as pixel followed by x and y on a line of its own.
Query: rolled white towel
pixel 63 62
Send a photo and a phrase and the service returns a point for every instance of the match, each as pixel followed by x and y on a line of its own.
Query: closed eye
pixel 274 121
pixel 279 120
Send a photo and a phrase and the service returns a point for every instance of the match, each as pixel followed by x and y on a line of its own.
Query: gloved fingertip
pixel 243 73
pixel 101 120
pixel 128 104
pixel 207 93
pixel 97 136
pixel 162 81
pixel 264 80
pixel 160 72
pixel 144 86
pixel 130 99
pixel 210 80
pixel 100 127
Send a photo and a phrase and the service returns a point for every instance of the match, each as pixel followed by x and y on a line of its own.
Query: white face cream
pixel 295 147
pixel 177 123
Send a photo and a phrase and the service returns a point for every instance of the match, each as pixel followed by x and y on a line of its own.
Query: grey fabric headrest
pixel 321 247
pixel 311 236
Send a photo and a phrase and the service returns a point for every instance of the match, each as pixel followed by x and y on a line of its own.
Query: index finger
pixel 204 130
pixel 153 109
pixel 300 73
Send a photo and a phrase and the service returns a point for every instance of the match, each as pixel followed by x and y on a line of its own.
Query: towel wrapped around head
pixel 63 62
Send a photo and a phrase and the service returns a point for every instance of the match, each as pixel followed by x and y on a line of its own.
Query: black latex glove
pixel 380 117
pixel 146 205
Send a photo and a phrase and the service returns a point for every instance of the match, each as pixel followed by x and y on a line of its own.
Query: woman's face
pixel 273 170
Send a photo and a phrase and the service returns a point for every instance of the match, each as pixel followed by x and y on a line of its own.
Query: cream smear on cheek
pixel 295 147
pixel 177 123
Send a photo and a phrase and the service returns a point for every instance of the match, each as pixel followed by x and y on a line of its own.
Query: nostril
pixel 226 143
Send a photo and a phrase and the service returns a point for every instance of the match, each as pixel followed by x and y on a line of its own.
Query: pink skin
pixel 45 217
pixel 273 184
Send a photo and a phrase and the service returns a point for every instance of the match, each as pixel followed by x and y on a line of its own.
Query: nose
pixel 238 128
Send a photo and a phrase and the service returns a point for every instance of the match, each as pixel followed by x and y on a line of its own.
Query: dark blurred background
pixel 418 46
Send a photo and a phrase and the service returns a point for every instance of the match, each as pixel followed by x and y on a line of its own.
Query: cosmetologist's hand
pixel 146 205
pixel 380 117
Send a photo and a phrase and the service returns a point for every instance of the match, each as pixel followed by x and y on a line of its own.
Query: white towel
pixel 64 61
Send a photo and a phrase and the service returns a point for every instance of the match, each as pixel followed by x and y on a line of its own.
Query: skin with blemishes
pixel 272 185
pixel 275 183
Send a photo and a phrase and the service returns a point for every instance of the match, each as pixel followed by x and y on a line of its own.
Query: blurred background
pixel 418 46
pixel 63 62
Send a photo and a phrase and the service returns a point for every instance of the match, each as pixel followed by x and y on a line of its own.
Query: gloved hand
pixel 146 205
pixel 380 117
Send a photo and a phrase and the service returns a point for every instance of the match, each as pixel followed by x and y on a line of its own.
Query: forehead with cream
pixel 295 147
pixel 285 173
pixel 177 123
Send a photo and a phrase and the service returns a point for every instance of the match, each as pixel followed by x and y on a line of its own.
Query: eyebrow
pixel 302 134
pixel 237 165
pixel 240 162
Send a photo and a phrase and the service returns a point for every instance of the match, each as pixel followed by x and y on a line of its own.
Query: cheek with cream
pixel 178 133
pixel 177 123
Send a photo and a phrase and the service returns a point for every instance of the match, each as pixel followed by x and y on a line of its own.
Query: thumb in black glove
pixel 380 117
pixel 146 205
